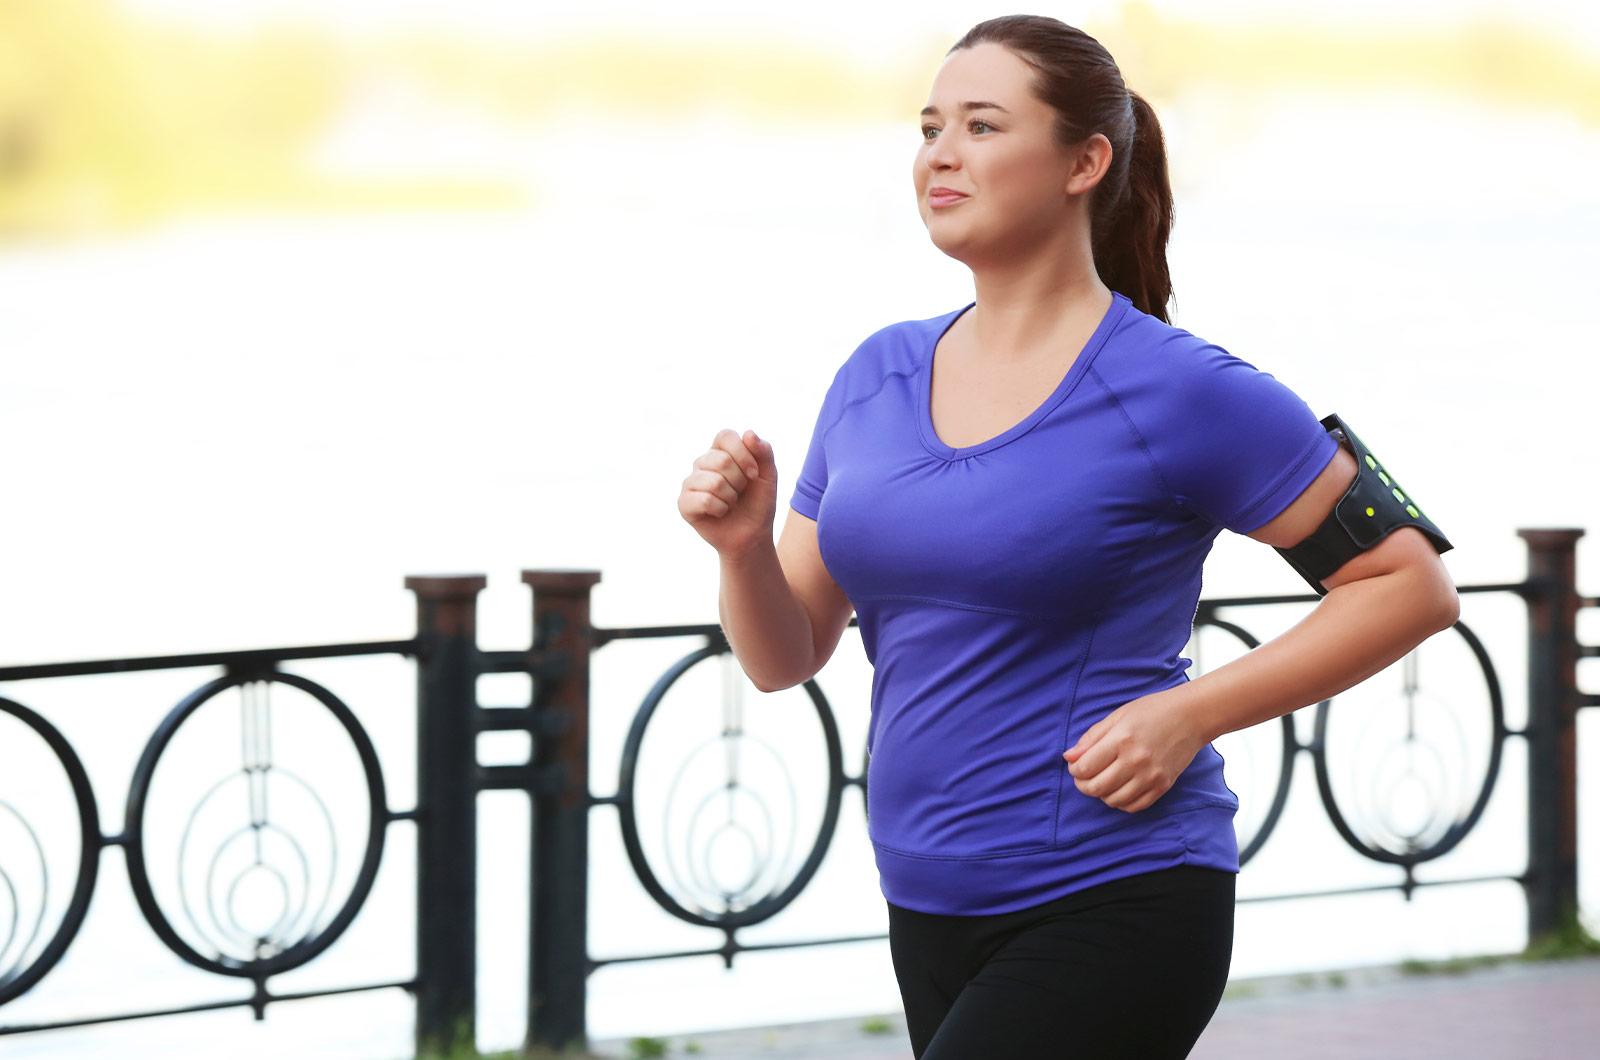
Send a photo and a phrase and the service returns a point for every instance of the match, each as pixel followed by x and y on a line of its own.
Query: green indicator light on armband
pixel 1371 462
pixel 1369 511
pixel 1401 497
pixel 1412 508
pixel 1385 479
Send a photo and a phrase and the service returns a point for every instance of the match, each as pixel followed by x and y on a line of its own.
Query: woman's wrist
pixel 742 557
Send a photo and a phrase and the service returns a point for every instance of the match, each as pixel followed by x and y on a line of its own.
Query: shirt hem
pixel 1007 881
pixel 806 505
pixel 1277 499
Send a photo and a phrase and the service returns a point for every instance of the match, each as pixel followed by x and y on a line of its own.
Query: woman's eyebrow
pixel 934 111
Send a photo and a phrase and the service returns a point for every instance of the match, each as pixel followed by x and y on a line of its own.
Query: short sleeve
pixel 812 481
pixel 1239 446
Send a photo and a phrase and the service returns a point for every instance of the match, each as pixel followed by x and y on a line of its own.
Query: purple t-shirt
pixel 1012 593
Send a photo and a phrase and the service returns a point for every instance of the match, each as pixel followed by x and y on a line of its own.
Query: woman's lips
pixel 939 199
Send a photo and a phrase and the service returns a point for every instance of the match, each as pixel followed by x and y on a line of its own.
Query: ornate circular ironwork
pixel 1286 745
pixel 1412 788
pixel 755 890
pixel 258 864
pixel 18 974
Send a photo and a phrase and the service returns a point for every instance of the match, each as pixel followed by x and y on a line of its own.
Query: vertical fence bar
pixel 1552 885
pixel 447 828
pixel 558 952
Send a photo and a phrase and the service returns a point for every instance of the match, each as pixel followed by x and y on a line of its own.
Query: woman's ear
pixel 1091 161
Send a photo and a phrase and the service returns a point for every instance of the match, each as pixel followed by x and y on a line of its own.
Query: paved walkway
pixel 1509 1011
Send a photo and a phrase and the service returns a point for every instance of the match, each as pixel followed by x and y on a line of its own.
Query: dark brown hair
pixel 1130 212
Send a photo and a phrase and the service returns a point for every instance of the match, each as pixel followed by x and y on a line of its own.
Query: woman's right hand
pixel 731 496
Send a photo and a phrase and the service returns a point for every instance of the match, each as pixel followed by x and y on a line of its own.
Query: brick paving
pixel 1512 1011
pixel 1547 1010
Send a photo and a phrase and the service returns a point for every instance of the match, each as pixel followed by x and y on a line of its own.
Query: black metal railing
pixel 201 936
pixel 745 783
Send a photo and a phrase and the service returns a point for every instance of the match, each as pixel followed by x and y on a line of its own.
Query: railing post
pixel 558 953
pixel 447 824
pixel 1552 885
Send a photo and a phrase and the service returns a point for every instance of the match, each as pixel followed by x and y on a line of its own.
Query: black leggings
pixel 1132 968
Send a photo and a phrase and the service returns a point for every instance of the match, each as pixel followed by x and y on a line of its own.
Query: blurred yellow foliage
pixel 108 119
pixel 1476 57
pixel 621 73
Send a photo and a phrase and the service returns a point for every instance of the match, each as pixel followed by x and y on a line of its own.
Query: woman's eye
pixel 926 129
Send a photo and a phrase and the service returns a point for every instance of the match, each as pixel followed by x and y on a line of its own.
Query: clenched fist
pixel 731 496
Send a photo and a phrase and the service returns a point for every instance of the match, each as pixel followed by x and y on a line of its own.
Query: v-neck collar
pixel 924 389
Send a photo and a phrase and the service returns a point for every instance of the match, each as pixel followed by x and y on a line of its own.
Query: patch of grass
pixel 646 1048
pixel 1570 939
pixel 876 1025
pixel 536 1053
pixel 463 1046
pixel 1450 965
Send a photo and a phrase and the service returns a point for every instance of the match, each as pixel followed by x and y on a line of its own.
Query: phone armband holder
pixel 1373 507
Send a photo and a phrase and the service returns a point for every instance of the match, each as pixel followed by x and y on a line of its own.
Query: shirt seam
pixel 1083 664
pixel 1138 435
pixel 883 381
pixel 961 606
pixel 1066 731
pixel 1241 517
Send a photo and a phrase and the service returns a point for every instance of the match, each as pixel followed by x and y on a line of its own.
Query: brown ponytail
pixel 1130 215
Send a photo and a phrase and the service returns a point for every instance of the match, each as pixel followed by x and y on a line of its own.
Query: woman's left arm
pixel 1380 605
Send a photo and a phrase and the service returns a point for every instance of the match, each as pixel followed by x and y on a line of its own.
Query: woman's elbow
pixel 772 685
pixel 1433 583
pixel 1428 596
pixel 1450 607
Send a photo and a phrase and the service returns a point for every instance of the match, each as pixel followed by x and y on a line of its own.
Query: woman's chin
pixel 955 248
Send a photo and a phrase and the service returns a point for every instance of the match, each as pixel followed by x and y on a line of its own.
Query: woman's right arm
pixel 781 610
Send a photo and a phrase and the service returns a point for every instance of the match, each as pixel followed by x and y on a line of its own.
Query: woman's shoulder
pixel 1164 375
pixel 1145 342
pixel 900 347
pixel 916 333
pixel 1160 360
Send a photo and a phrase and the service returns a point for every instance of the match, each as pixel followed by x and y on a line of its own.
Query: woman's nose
pixel 939 155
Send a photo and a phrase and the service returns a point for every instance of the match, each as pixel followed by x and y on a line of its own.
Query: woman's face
pixel 1018 186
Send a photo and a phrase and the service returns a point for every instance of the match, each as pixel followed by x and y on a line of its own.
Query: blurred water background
pixel 296 300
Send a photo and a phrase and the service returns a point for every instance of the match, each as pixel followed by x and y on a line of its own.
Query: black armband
pixel 1372 508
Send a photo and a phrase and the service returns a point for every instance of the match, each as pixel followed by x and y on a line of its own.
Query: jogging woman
pixel 1016 499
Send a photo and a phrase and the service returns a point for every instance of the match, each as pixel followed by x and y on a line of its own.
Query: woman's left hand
pixel 1129 758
